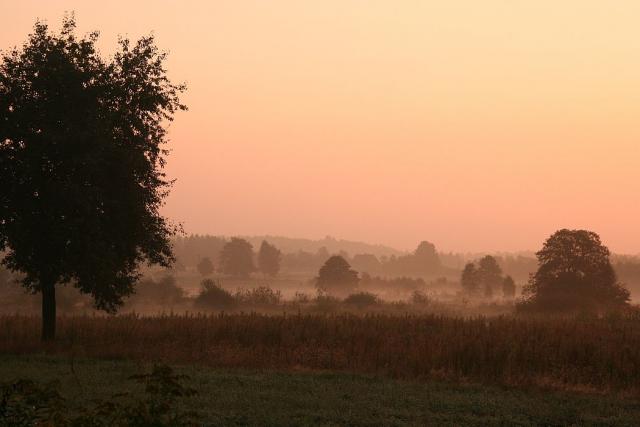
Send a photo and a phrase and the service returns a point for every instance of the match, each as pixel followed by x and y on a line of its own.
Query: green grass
pixel 229 397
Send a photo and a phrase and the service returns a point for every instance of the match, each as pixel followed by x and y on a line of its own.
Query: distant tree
pixel 424 261
pixel 362 300
pixel 214 297
pixel 489 275
pixel 574 274
pixel 469 280
pixel 269 258
pixel 205 267
pixel 508 287
pixel 427 257
pixel 81 165
pixel 236 258
pixel 336 276
pixel 366 263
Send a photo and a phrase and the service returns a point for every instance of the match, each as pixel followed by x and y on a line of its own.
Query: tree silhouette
pixel 205 267
pixel 508 287
pixel 236 258
pixel 337 276
pixel 469 279
pixel 269 259
pixel 427 257
pixel 489 274
pixel 574 274
pixel 485 278
pixel 81 159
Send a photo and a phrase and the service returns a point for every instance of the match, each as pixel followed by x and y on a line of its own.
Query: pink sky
pixel 475 125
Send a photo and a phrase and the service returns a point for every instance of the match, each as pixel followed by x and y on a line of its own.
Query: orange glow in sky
pixel 477 125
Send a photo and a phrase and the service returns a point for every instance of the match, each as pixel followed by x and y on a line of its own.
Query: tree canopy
pixel 485 278
pixel 337 276
pixel 269 258
pixel 81 164
pixel 236 258
pixel 574 274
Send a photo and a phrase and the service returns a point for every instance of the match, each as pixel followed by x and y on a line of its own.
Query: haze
pixel 474 125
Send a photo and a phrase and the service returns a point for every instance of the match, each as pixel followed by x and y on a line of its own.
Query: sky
pixel 476 125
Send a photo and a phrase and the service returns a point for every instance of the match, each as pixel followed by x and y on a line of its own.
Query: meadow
pixel 270 398
pixel 578 354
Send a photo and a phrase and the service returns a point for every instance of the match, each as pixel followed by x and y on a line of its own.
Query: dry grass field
pixel 573 354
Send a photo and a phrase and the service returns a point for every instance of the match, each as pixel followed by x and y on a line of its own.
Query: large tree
pixel 574 274
pixel 269 258
pixel 236 258
pixel 336 276
pixel 81 165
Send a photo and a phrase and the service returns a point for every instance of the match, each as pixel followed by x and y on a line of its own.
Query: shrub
pixel 213 296
pixel 26 403
pixel 362 299
pixel 262 296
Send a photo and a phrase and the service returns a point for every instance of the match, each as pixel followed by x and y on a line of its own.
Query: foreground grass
pixel 568 354
pixel 240 397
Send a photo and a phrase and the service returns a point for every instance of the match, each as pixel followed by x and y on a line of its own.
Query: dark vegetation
pixel 258 398
pixel 588 354
pixel 29 403
pixel 574 274
pixel 81 159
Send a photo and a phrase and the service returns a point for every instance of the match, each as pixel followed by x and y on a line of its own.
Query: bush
pixel 26 403
pixel 262 296
pixel 214 297
pixel 362 299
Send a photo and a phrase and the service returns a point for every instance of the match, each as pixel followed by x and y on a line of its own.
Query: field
pixel 258 397
pixel 584 354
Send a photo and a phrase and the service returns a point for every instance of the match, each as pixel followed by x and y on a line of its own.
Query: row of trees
pixel 237 259
pixel 486 279
pixel 424 261
pixel 574 274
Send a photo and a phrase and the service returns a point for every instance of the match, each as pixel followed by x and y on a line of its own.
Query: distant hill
pixel 333 245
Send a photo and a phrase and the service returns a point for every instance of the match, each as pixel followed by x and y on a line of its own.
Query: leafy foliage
pixel 362 299
pixel 81 163
pixel 213 296
pixel 485 279
pixel 269 258
pixel 236 258
pixel 574 274
pixel 26 403
pixel 336 275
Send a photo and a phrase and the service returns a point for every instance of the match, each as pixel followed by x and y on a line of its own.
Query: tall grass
pixel 584 353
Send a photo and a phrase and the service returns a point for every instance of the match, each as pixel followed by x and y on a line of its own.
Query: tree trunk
pixel 48 311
